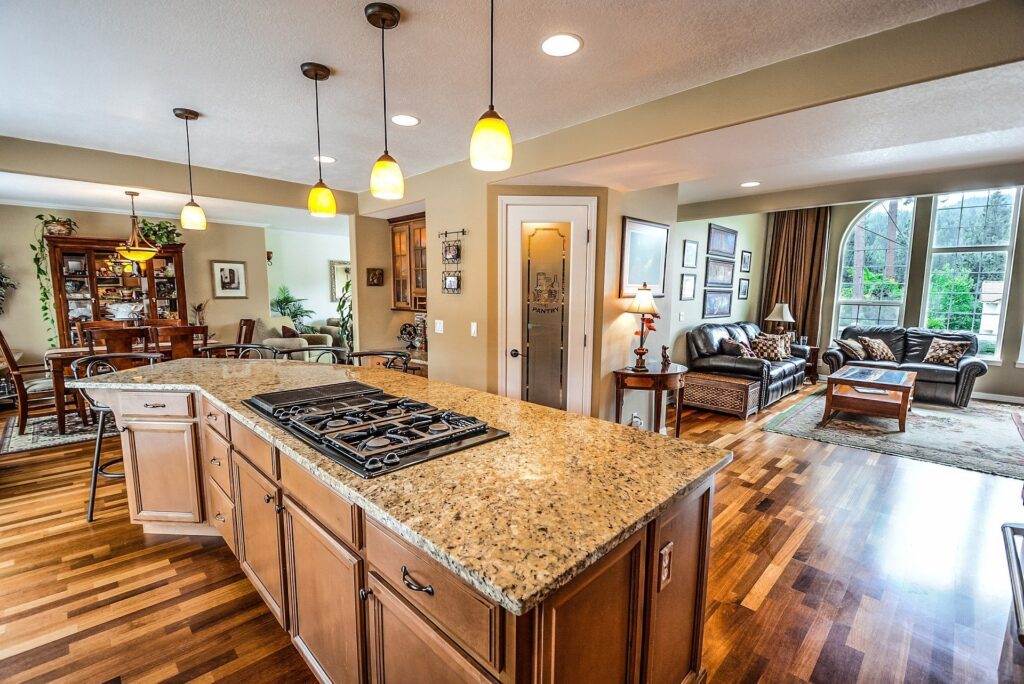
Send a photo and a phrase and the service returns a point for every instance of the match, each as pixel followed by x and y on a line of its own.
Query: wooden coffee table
pixel 871 392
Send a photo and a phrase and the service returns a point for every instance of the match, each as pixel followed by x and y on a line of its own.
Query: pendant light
pixel 192 215
pixel 136 248
pixel 386 181
pixel 321 200
pixel 490 148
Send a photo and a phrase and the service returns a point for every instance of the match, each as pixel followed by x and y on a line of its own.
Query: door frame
pixel 505 202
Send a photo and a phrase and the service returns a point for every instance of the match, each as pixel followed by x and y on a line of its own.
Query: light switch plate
pixel 472 329
pixel 439 326
pixel 680 316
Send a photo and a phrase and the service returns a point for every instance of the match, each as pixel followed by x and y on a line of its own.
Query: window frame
pixel 839 302
pixel 997 355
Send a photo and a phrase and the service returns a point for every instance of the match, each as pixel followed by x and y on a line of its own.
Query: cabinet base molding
pixel 180 529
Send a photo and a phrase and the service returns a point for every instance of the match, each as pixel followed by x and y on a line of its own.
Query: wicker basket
pixel 722 393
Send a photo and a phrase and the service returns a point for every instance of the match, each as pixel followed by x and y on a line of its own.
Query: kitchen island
pixel 572 550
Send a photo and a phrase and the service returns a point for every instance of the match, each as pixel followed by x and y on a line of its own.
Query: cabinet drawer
pixel 216 419
pixel 254 448
pixel 217 456
pixel 157 404
pixel 332 511
pixel 222 513
pixel 457 609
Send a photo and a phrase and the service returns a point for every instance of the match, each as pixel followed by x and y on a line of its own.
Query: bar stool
pixel 238 351
pixel 91 366
pixel 394 360
pixel 316 353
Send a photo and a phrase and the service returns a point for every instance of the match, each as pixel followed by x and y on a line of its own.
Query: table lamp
pixel 780 314
pixel 643 304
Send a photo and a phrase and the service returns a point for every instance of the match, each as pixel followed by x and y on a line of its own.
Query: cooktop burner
pixel 369 432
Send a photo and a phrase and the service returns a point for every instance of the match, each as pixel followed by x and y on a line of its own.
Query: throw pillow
pixel 877 349
pixel 288 333
pixel 734 348
pixel 767 347
pixel 852 348
pixel 946 352
pixel 783 341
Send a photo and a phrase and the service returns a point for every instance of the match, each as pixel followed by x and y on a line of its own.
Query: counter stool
pixel 238 351
pixel 91 366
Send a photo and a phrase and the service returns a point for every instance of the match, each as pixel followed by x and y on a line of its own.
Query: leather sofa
pixel 778 378
pixel 936 383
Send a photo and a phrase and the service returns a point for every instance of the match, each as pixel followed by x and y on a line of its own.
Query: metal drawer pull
pixel 220 517
pixel 414 585
pixel 215 461
pixel 155 405
pixel 267 498
pixel 365 593
pixel 1010 532
pixel 212 416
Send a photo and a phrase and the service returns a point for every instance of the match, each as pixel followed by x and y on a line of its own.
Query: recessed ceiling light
pixel 750 184
pixel 324 159
pixel 404 120
pixel 561 44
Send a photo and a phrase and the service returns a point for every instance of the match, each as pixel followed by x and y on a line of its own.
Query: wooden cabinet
pixel 89 277
pixel 161 471
pixel 258 520
pixel 325 613
pixel 409 263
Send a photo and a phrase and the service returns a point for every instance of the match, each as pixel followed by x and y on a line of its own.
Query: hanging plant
pixel 6 283
pixel 159 233
pixel 41 260
pixel 55 225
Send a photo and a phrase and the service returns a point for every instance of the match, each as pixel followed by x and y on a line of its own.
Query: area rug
pixel 984 436
pixel 41 433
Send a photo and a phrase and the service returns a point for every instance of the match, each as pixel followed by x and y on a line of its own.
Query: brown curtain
pixel 795 271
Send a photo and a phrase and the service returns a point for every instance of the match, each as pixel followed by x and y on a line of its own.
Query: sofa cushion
pixel 852 348
pixel 784 344
pixel 767 348
pixel 931 372
pixel 877 349
pixel 733 348
pixel 868 363
pixel 894 337
pixel 287 332
pixel 920 339
pixel 946 352
pixel 786 368
pixel 751 329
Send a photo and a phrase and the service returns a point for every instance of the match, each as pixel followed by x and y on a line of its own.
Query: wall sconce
pixel 270 258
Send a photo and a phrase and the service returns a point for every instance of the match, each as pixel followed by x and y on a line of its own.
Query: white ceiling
pixel 57 193
pixel 105 74
pixel 967 120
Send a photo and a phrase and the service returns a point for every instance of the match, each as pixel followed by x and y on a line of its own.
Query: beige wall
pixel 23 325
pixel 376 324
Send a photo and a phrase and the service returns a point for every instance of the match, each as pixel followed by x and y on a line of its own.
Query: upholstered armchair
pixel 269 333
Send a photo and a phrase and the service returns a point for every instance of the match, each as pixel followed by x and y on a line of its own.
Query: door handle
pixel 267 498
pixel 154 406
pixel 515 354
pixel 412 584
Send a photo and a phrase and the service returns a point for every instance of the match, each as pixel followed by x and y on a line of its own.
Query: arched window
pixel 873 265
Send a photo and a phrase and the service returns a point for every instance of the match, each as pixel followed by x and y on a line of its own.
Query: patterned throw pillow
pixel 734 348
pixel 767 347
pixel 852 348
pixel 946 352
pixel 877 349
pixel 783 341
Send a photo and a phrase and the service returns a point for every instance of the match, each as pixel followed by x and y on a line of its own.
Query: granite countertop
pixel 516 518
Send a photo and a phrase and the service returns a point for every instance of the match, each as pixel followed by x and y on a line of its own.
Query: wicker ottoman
pixel 738 396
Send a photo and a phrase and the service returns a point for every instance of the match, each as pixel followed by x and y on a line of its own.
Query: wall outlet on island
pixel 438 326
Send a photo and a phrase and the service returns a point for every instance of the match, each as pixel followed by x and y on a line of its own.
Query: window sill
pixel 1019 364
pixel 992 361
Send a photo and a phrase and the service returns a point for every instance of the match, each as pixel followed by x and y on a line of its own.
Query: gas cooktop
pixel 368 431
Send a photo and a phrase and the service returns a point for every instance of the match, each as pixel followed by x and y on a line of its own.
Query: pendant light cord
pixel 188 151
pixel 492 56
pixel 316 99
pixel 384 81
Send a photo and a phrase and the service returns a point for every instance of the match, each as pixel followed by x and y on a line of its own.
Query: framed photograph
pixel 375 277
pixel 341 273
pixel 717 304
pixel 744 290
pixel 687 287
pixel 690 248
pixel 229 280
pixel 644 249
pixel 452 282
pixel 451 251
pixel 719 273
pixel 721 241
pixel 745 259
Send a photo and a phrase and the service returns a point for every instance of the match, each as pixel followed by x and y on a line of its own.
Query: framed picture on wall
pixel 375 277
pixel 744 289
pixel 229 280
pixel 690 248
pixel 644 249
pixel 341 273
pixel 745 259
pixel 719 273
pixel 687 287
pixel 721 241
pixel 717 304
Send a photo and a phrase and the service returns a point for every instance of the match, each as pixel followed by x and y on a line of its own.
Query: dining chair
pixel 317 352
pixel 181 339
pixel 118 340
pixel 246 326
pixel 393 360
pixel 82 326
pixel 238 351
pixel 90 367
pixel 38 392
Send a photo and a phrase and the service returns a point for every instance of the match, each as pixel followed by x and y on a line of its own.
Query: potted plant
pixel 286 304
pixel 55 225
pixel 6 283
pixel 159 232
pixel 347 333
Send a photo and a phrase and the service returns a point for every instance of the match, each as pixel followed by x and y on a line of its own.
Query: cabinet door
pixel 162 471
pixel 401 280
pixel 405 648
pixel 324 579
pixel 258 523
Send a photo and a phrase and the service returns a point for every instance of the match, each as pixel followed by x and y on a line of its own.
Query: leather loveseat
pixel 778 378
pixel 936 383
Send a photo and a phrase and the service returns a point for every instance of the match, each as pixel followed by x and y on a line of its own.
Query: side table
pixel 812 364
pixel 657 378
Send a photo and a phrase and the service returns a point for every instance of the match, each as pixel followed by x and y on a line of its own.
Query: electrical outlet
pixel 636 421
pixel 439 326
pixel 472 329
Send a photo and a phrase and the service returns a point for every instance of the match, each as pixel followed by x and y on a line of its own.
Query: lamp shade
pixel 321 201
pixel 643 301
pixel 490 148
pixel 386 180
pixel 781 314
pixel 193 217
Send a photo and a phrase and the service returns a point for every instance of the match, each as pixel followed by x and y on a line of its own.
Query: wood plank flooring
pixel 829 565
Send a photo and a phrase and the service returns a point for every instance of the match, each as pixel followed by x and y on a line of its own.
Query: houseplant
pixel 6 283
pixel 347 333
pixel 41 261
pixel 56 225
pixel 286 304
pixel 159 232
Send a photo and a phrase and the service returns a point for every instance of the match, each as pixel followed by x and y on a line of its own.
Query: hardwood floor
pixel 829 565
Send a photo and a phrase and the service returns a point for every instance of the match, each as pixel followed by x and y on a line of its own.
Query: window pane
pixel 950 200
pixel 947 227
pixel 966 292
pixel 986 218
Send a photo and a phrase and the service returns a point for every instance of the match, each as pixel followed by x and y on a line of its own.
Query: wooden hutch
pixel 89 276
pixel 409 263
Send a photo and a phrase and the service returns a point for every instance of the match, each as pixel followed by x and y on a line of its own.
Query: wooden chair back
pixel 82 326
pixel 8 357
pixel 118 340
pixel 245 329
pixel 180 339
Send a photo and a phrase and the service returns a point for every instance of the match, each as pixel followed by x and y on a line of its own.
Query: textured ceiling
pixel 966 120
pixel 105 74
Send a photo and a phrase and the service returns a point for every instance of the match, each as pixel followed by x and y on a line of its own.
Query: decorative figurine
pixel 665 360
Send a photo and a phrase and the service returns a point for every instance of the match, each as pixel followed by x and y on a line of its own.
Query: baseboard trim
pixel 1008 398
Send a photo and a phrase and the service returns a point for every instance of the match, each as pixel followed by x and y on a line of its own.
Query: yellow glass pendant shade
pixel 386 180
pixel 321 201
pixel 193 217
pixel 137 253
pixel 490 149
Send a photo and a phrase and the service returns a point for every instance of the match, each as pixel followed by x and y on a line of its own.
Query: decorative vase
pixel 641 363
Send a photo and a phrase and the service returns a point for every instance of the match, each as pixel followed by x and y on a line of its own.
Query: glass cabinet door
pixel 122 288
pixel 165 288
pixel 78 291
pixel 400 280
